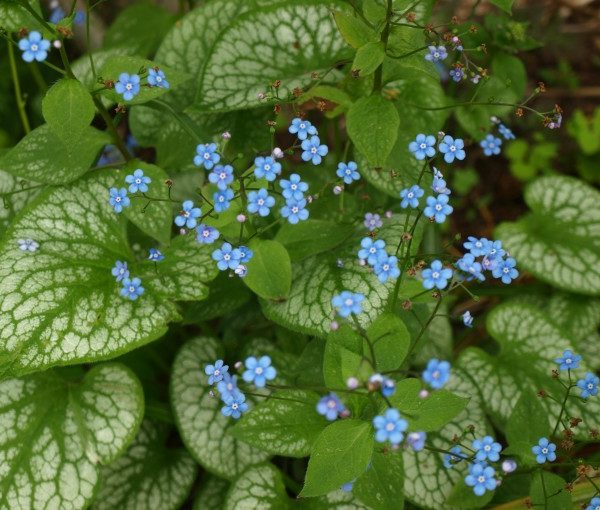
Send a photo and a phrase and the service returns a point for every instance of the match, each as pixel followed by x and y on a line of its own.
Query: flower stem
pixel 18 94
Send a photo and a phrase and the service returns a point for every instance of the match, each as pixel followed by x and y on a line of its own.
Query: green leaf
pixel 203 429
pixel 236 69
pixel 149 475
pixel 212 494
pixel 374 11
pixel 390 340
pixel 43 157
pixel 259 487
pixel 373 124
pixel 286 424
pixel 343 357
pixel 368 58
pixel 462 496
pixel 68 109
pixel 380 488
pixel 15 194
pixel 340 454
pixel 354 30
pixel 269 270
pixel 559 241
pixel 585 131
pixel 505 5
pixel 59 428
pixel 548 491
pixel 13 16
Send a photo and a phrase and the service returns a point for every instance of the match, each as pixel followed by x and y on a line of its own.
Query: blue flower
pixel 457 74
pixel 544 451
pixel 132 289
pixel 128 86
pixel 294 188
pixel 505 269
pixel 493 250
pixel 438 208
pixel 423 146
pixel 245 254
pixel 227 257
pixel 28 245
pixel 235 404
pixel 138 181
pixel 294 210
pixel 372 221
pixel 34 47
pixel 416 440
pixel 481 478
pixel 467 319
pixel 259 371
pixel 388 387
pixel 302 128
pixel 452 149
pixel 207 155
pixel 487 449
pixel 568 360
pixel 187 216
pixel 390 427
pixel 348 302
pixel 491 145
pixel 436 276
pixel 348 172
pixel 477 247
pixel 118 199
pixel 221 175
pixel 439 184
pixel 410 196
pixel 330 406
pixel 348 486
pixel 221 199
pixel 436 373
pixel 227 385
pixel 266 168
pixel 206 234
pixel 588 385
pixel 120 271
pixel 468 265
pixel 260 202
pixel 436 53
pixel 386 267
pixel 156 78
pixel 371 250
pixel 455 456
pixel 594 504
pixel 216 372
pixel 155 255
pixel 506 132
pixel 313 151
pixel 56 15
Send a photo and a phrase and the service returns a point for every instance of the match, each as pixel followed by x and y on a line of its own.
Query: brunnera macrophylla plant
pixel 229 269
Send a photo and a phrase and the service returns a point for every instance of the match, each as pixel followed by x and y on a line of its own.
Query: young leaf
pixel 390 340
pixel 340 454
pixel 380 488
pixel 269 270
pixel 149 475
pixel 368 58
pixel 373 124
pixel 203 429
pixel 62 426
pixel 343 356
pixel 548 491
pixel 354 30
pixel 505 5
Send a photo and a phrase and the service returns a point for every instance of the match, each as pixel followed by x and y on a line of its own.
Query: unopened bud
pixel 277 153
pixel 388 214
pixel 339 263
pixel 362 262
pixel 241 270
pixel 337 189
pixel 345 413
pixel 57 44
pixel 423 393
pixel 508 466
pixel 182 231
pixel 260 96
pixel 238 365
pixel 241 218
pixel 352 383
pixel 226 135
pixel 334 326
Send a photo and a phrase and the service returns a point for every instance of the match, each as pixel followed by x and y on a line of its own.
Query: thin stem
pixel 424 328
pixel 564 403
pixel 113 130
pixel 17 86
pixel 378 81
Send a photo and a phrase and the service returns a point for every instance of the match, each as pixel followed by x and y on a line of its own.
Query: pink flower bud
pixel 238 365
pixel 337 190
pixel 241 218
pixel 334 326
pixel 226 135
pixel 352 383
pixel 423 394
pixel 57 44
pixel 277 153
pixel 388 214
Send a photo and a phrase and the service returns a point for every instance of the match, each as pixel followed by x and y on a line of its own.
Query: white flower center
pixel 258 370
pixel 487 447
pixel 481 479
pixel 117 199
pixel 435 275
pixel 410 194
pixel 131 288
pixel 423 146
pixel 222 175
pixel 261 201
pixel 158 79
pixel 348 302
pixel 314 150
pixel 234 406
pixel 302 125
pixel 295 209
pixel 207 155
pixel 505 270
pixel 294 187
pixel 34 47
pixel 590 386
pixel 452 148
pixel 267 168
pixel 544 451
pixel 568 361
pixel 129 86
pixel 217 372
pixel 331 404
pixel 390 426
pixel 226 256
pixel 438 207
pixel 436 374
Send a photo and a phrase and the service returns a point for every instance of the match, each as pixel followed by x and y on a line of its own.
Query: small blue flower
pixel 120 271
pixel 386 267
pixel 481 478
pixel 156 78
pixel 439 184
pixel 118 199
pixel 302 128
pixel 491 145
pixel 348 486
pixel 487 449
pixel 216 372
pixel 493 250
pixel 294 210
pixel 544 451
pixel 56 15
pixel 28 245
pixel 138 181
pixel 313 150
pixel 467 319
pixel 227 257
pixel 222 176
pixel 259 371
pixel 390 427
pixel 506 132
pixel 505 270
pixel 34 47
pixel 594 504
pixel 452 149
pixel 477 247
pixel 245 254
pixel 221 200
pixel 348 172
pixel 410 196
pixel 455 456
pixel 294 188
pixel 330 406
pixel 468 265
pixel 132 289
pixel 568 360
pixel 348 302
pixel 436 53
pixel 207 155
pixel 266 168
pixel 588 385
pixel 235 404
pixel 416 440
pixel 423 146
pixel 438 208
pixel 155 255
pixel 260 202
pixel 388 387
pixel 436 373
pixel 206 234
pixel 436 276
pixel 371 250
pixel 188 214
pixel 128 86
pixel 372 221
pixel 457 74
pixel 228 385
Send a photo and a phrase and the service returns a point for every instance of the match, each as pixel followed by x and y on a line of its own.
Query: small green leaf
pixel 373 124
pixel 548 491
pixel 390 340
pixel 368 58
pixel 380 488
pixel 354 30
pixel 269 270
pixel 343 356
pixel 505 5
pixel 259 487
pixel 374 11
pixel 585 131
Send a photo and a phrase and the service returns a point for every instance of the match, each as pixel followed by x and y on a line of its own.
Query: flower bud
pixel 241 218
pixel 388 214
pixel 238 365
pixel 334 326
pixel 352 383
pixel 57 44
pixel 423 393
pixel 226 135
pixel 508 466
pixel 260 96
pixel 241 270
pixel 278 153
pixel 337 190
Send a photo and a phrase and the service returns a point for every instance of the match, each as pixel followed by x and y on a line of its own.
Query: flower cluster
pixel 131 288
pixel 138 183
pixel 424 147
pixel 129 85
pixel 588 385
pixel 492 144
pixel 493 258
pixel 373 253
pixel 227 257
